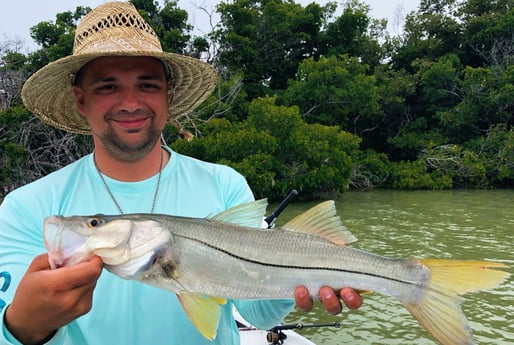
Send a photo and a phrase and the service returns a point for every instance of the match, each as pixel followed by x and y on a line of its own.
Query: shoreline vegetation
pixel 317 98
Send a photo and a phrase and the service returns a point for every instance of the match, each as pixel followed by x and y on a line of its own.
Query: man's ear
pixel 79 98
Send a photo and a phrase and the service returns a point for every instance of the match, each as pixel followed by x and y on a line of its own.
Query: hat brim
pixel 47 93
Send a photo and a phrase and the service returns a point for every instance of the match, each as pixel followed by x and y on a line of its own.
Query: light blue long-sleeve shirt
pixel 125 312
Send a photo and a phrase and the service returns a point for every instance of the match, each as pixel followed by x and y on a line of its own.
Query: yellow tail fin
pixel 439 312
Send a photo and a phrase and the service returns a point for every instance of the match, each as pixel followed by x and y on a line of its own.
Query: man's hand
pixel 329 298
pixel 46 300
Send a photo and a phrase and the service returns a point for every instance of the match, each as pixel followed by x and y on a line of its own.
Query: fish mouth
pixel 65 247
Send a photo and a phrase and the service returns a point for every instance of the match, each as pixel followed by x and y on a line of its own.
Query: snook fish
pixel 208 260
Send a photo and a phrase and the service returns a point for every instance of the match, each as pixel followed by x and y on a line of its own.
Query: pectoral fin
pixel 204 312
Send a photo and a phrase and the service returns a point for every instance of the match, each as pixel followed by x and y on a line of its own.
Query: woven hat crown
pixel 113 29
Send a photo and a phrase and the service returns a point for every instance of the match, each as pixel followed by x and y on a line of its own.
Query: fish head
pixel 128 245
pixel 65 239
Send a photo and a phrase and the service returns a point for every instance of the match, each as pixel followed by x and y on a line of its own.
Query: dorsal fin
pixel 249 214
pixel 322 220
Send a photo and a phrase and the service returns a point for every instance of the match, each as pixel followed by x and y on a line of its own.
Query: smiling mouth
pixel 131 123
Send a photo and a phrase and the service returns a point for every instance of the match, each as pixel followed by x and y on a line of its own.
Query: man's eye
pixel 105 88
pixel 149 86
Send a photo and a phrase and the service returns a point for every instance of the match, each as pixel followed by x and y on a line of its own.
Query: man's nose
pixel 129 100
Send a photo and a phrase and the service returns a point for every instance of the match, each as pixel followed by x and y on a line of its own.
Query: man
pixel 121 88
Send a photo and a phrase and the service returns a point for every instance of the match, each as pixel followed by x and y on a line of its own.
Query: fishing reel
pixel 275 337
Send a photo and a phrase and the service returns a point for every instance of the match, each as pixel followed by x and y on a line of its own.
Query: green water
pixel 425 224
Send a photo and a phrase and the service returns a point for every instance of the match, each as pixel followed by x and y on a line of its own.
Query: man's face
pixel 125 101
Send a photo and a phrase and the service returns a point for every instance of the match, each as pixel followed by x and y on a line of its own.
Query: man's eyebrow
pixel 144 77
pixel 152 77
pixel 102 80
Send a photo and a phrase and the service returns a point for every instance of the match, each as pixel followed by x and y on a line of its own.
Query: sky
pixel 18 16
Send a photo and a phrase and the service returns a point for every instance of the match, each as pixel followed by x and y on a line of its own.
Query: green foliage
pixel 440 167
pixel 199 46
pixel 487 99
pixel 335 91
pixel 56 39
pixel 415 137
pixel 277 151
pixel 315 158
pixel 266 40
pixel 371 170
pixel 440 83
pixel 244 148
pixel 13 61
pixel 429 33
pixel 350 34
pixel 169 23
pixel 11 120
pixel 13 155
pixel 460 165
pixel 393 88
pixel 487 32
pixel 414 175
pixel 465 116
pixel 13 159
pixel 259 170
pixel 496 151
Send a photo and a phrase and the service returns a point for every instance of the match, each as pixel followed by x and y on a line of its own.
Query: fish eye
pixel 94 222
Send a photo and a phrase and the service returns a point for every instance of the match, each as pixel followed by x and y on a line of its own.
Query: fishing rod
pixel 302 326
pixel 270 220
pixel 276 336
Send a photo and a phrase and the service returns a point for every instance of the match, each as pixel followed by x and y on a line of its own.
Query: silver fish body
pixel 225 256
pixel 225 260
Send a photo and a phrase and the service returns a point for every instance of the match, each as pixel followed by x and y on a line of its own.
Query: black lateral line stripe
pixel 267 264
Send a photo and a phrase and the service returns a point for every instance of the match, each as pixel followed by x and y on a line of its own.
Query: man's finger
pixel 81 274
pixel 351 298
pixel 330 300
pixel 303 298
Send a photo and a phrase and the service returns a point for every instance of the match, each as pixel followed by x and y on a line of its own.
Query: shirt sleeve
pixel 264 314
pixel 6 338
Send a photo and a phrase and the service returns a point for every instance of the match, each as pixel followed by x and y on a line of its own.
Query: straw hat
pixel 112 29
